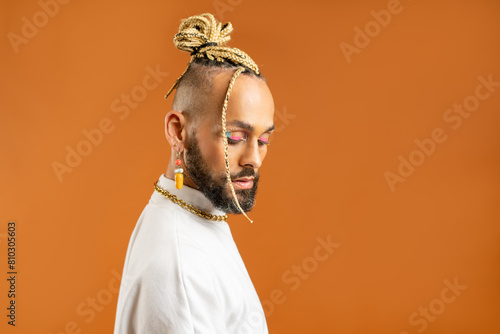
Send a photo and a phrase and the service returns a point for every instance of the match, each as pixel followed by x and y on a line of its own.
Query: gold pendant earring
pixel 179 177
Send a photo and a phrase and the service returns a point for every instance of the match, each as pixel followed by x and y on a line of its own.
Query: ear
pixel 175 129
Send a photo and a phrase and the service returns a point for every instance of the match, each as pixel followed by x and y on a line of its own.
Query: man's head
pixel 223 141
pixel 195 126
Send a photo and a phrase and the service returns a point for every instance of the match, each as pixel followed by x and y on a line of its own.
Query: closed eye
pixel 264 141
pixel 234 137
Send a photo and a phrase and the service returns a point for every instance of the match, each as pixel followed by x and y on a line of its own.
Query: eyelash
pixel 234 142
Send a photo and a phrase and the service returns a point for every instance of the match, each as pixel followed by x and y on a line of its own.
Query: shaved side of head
pixel 194 94
pixel 197 94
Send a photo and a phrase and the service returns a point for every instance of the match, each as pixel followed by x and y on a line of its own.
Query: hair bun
pixel 204 36
pixel 201 30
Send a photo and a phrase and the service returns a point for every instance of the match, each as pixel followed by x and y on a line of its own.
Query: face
pixel 249 124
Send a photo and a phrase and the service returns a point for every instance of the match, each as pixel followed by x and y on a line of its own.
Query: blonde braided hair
pixel 204 37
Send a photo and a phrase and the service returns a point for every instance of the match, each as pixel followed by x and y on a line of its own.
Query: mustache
pixel 245 172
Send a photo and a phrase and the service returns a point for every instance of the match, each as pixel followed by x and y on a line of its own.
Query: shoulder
pixel 167 241
pixel 153 242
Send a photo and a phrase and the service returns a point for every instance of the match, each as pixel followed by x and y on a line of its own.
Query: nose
pixel 252 155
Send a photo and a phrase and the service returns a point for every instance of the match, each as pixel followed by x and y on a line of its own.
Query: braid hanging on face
pixel 203 36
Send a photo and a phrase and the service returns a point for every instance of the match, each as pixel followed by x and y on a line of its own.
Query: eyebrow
pixel 247 126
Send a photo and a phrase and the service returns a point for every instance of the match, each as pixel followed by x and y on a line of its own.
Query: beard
pixel 214 185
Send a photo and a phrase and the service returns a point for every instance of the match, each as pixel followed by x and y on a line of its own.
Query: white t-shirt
pixel 184 273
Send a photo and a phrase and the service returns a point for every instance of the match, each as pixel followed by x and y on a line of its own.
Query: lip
pixel 243 182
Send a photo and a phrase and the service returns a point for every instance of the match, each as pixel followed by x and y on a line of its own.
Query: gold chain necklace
pixel 188 207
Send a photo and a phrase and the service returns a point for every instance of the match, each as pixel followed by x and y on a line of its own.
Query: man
pixel 183 272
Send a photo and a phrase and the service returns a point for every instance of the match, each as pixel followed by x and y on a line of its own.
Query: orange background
pixel 342 126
